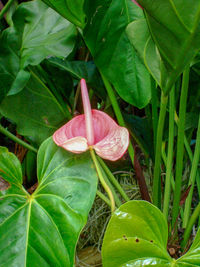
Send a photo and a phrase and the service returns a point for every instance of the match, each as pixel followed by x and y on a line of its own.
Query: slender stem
pixel 156 178
pixel 5 9
pixel 16 139
pixel 118 113
pixel 164 157
pixel 104 198
pixel 190 224
pixel 107 181
pixel 180 144
pixel 88 113
pixel 105 186
pixel 190 154
pixel 169 154
pixel 113 179
pixel 192 178
pixel 154 102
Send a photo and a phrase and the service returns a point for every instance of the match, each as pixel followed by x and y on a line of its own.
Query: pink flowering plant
pixel 99 111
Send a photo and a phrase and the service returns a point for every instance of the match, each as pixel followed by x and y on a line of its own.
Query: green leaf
pixel 35 110
pixel 175 29
pixel 42 229
pixel 113 54
pixel 137 236
pixel 191 258
pixel 38 32
pixel 72 10
pixel 79 70
pixel 20 82
pixel 142 41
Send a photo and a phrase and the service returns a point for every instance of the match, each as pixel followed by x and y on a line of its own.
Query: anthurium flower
pixel 93 129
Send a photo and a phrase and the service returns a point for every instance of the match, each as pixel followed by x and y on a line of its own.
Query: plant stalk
pixel 105 186
pixel 190 224
pixel 104 198
pixel 192 178
pixel 156 177
pixel 5 8
pixel 113 179
pixel 16 139
pixel 180 144
pixel 154 103
pixel 169 154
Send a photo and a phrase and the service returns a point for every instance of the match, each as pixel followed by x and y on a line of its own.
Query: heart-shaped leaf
pixel 174 26
pixel 137 236
pixel 113 54
pixel 42 229
pixel 72 10
pixel 38 32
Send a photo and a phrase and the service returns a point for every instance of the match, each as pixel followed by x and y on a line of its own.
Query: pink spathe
pixel 93 129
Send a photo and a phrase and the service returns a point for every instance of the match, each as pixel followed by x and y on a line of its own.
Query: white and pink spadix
pixel 94 129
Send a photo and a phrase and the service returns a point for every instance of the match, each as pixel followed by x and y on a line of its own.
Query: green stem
pixel 16 139
pixel 5 9
pixel 159 135
pixel 107 181
pixel 190 224
pixel 190 154
pixel 113 179
pixel 180 144
pixel 101 178
pixel 164 157
pixel 154 103
pixel 104 198
pixel 117 111
pixel 192 178
pixel 169 155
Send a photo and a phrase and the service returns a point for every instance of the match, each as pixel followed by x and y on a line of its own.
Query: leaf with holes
pixel 137 236
pixel 175 29
pixel 42 229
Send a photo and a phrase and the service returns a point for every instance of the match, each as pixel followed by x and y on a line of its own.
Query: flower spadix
pixel 94 129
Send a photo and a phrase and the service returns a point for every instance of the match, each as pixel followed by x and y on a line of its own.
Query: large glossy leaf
pixel 35 110
pixel 113 54
pixel 175 28
pixel 137 236
pixel 72 10
pixel 42 229
pixel 140 37
pixel 38 32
